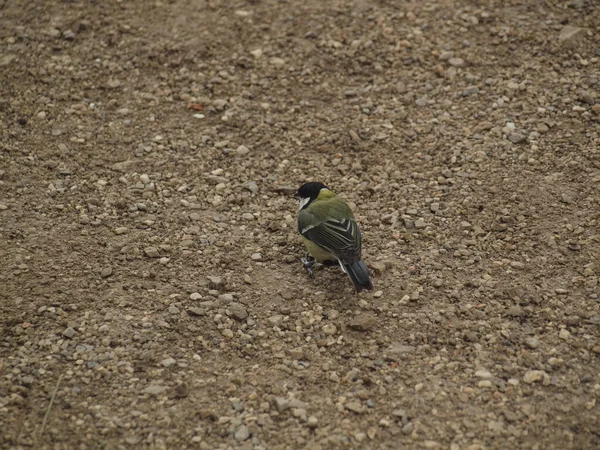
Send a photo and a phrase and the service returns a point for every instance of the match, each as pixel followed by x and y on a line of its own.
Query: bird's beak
pixel 297 196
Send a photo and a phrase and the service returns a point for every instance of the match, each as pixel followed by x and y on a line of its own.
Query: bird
pixel 330 233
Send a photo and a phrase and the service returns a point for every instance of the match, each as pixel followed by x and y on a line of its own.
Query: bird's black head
pixel 309 192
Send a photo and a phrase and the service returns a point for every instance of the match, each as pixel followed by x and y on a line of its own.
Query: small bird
pixel 330 233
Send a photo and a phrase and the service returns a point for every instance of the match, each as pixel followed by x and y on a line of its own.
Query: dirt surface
pixel 150 270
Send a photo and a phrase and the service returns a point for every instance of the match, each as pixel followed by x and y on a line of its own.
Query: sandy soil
pixel 149 270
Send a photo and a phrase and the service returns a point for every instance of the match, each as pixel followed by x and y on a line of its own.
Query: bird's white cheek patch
pixel 303 202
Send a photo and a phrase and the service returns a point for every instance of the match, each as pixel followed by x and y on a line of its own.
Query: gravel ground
pixel 150 264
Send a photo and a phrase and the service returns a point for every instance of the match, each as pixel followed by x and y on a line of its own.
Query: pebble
pixel 420 223
pixel 355 407
pixel 456 62
pixel 196 312
pixel 275 320
pixel 120 230
pixel 154 389
pixel 277 62
pixel 312 422
pixel 532 342
pixel 242 433
pixel 106 272
pixel 69 333
pixel 173 310
pixel 248 216
pixel 363 322
pixel 251 186
pixel 195 296
pixel 516 138
pixel 256 257
pixel 534 375
pixel 238 311
pixel 227 333
pixel 329 329
pixel 471 90
pixel 564 334
pixel 570 35
pixel 483 374
pixel 296 354
pixel 242 150
pixel 168 362
pixel 151 252
pixel 281 404
pixel 378 267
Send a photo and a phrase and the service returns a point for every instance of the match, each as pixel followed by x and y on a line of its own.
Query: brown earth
pixel 149 256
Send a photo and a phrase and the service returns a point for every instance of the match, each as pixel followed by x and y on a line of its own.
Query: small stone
pixel 329 329
pixel 363 322
pixel 277 62
pixel 471 90
pixel 257 53
pixel 312 422
pixel 483 374
pixel 196 312
pixel 596 109
pixel 532 342
pixel 569 36
pixel 378 267
pixel 534 375
pixel 68 35
pixel 296 354
pixel 516 138
pixel 355 407
pixel 484 384
pixel 151 252
pixel 422 101
pixel 275 320
pixel 446 55
pixel 586 97
pixel 564 334
pixel 173 310
pixel 69 333
pixel 256 257
pixel 227 333
pixel 242 433
pixel 106 272
pixel 281 404
pixel 120 230
pixel 168 362
pixel 456 62
pixel 215 283
pixel 195 296
pixel 238 311
pixel 248 216
pixel 251 186
pixel 144 178
pixel 242 150
pixel 400 349
pixel 420 223
pixel 515 311
pixel 155 389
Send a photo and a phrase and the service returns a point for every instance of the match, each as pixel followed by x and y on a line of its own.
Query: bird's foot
pixel 308 262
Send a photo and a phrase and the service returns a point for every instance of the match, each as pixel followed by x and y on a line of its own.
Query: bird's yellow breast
pixel 317 252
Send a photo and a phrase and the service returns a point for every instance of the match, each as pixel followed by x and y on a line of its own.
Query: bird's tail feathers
pixel 359 275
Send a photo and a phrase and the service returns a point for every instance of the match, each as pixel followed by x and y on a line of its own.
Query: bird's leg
pixel 308 262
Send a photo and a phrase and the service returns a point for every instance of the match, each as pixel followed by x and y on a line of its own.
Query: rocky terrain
pixel 151 291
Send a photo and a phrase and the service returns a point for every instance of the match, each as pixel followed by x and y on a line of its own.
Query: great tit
pixel 330 233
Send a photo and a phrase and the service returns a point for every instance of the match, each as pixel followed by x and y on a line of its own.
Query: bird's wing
pixel 340 237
